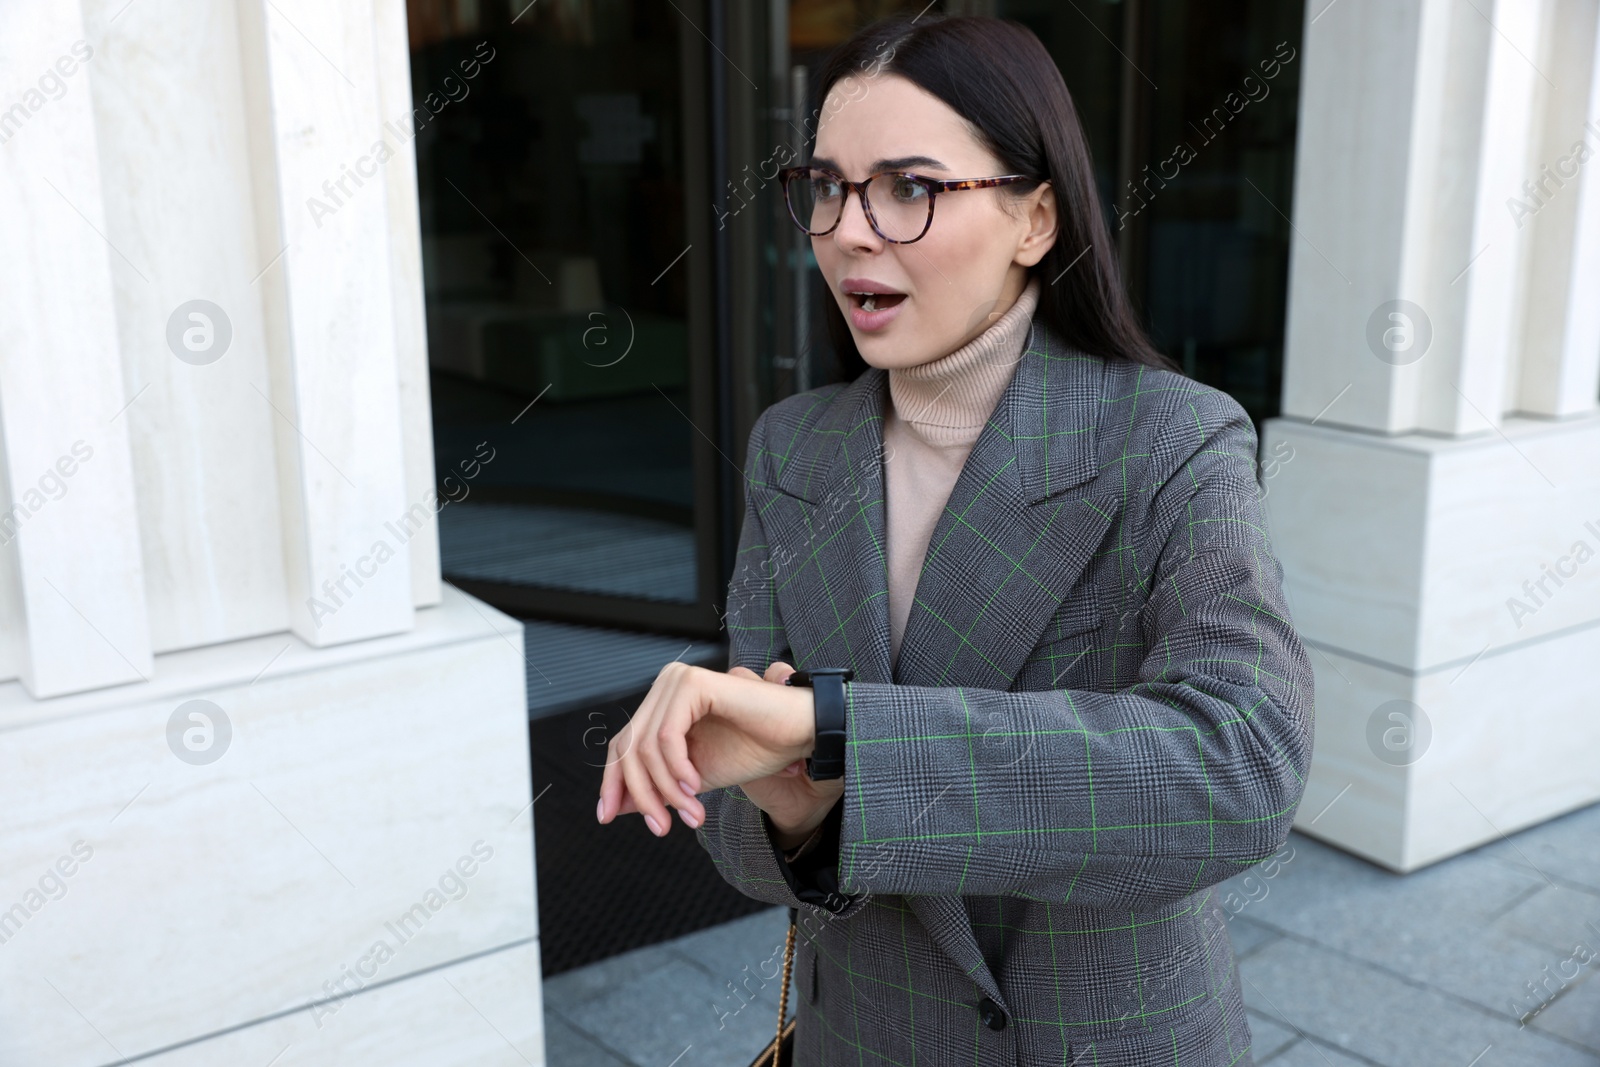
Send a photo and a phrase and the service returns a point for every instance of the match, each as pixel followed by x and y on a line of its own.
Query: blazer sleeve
pixel 1108 799
pixel 736 833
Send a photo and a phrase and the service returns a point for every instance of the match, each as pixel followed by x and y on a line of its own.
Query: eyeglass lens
pixel 899 206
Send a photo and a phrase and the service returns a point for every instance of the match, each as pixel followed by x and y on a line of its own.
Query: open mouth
pixel 875 301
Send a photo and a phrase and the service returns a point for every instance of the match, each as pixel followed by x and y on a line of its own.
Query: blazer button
pixel 991 1014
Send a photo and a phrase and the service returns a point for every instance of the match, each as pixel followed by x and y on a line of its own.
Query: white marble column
pixel 405 279
pixel 197 374
pixel 73 590
pixel 1558 202
pixel 247 736
pixel 1435 500
pixel 313 111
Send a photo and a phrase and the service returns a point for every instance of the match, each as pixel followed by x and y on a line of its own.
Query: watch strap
pixel 827 685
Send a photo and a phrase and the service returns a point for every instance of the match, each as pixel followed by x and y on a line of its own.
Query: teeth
pixel 870 303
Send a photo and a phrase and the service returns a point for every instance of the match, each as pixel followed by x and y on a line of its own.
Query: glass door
pixel 1190 110
pixel 562 171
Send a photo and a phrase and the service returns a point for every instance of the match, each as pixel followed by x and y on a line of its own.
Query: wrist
pixel 789 837
pixel 790 842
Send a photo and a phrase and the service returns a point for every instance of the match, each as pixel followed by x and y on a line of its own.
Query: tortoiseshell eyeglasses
pixel 900 211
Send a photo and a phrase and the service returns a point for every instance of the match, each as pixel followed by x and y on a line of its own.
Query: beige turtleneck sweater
pixel 937 410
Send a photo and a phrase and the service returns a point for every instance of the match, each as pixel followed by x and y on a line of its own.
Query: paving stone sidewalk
pixel 1483 960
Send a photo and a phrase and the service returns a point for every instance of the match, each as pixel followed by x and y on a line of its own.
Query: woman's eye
pixel 826 188
pixel 909 192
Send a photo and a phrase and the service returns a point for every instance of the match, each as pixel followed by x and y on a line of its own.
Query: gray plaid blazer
pixel 1100 710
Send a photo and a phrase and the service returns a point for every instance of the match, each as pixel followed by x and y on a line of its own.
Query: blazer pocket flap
pixel 1068 624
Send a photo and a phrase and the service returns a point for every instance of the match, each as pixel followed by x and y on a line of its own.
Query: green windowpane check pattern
pixel 1100 710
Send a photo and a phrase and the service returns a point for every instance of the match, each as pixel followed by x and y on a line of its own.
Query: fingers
pixel 613 791
pixel 667 755
pixel 634 762
pixel 607 803
pixel 618 782
pixel 649 767
pixel 668 759
pixel 675 773
pixel 664 778
pixel 643 792
pixel 674 770
pixel 625 806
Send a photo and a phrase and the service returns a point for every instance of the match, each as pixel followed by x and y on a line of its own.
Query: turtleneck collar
pixel 946 401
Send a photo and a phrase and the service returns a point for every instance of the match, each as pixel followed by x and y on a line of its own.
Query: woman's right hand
pixel 795 804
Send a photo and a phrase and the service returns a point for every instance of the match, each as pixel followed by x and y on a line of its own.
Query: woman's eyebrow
pixel 900 163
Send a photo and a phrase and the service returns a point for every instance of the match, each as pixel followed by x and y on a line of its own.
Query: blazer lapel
pixel 1020 526
pixel 826 533
pixel 1018 529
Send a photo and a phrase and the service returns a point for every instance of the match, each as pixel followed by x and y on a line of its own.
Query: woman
pixel 1077 699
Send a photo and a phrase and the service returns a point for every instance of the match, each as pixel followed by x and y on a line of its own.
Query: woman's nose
pixel 854 232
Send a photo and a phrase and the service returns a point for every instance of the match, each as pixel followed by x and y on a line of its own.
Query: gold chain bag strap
pixel 780 1051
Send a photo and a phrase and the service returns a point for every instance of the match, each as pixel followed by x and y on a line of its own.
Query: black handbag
pixel 780 1050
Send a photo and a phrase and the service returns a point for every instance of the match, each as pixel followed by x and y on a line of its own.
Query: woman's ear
pixel 1040 236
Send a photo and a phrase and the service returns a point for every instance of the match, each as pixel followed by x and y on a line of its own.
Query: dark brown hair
pixel 998 76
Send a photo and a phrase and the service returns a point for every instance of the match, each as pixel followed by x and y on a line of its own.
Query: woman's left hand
pixel 699 730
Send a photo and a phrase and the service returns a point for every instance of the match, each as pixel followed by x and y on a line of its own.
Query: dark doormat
pixel 606 889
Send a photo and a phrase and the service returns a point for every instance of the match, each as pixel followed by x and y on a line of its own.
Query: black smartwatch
pixel 827 685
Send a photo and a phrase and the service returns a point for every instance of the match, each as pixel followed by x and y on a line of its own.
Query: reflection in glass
pixel 552 197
